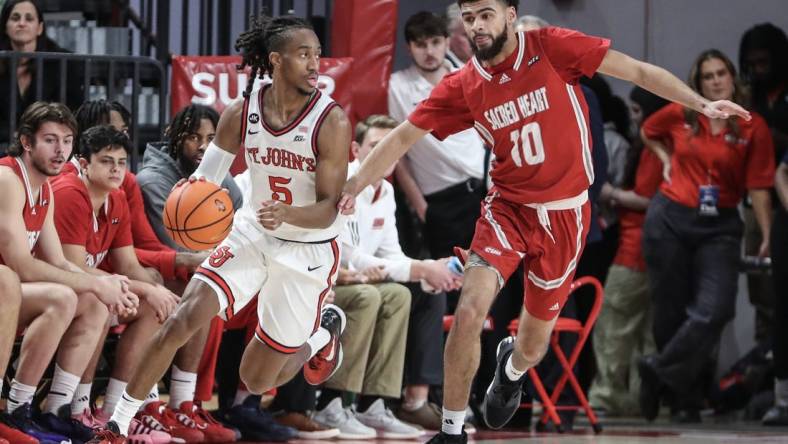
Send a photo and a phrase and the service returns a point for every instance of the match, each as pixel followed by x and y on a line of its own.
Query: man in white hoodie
pixel 373 299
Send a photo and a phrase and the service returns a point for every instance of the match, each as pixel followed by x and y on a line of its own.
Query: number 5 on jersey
pixel 278 189
pixel 531 149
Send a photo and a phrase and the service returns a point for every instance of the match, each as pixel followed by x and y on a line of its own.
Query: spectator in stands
pixel 778 415
pixel 60 303
pixel 370 242
pixel 94 225
pixel 378 309
pixel 170 265
pixel 165 163
pixel 24 31
pixel 459 50
pixel 692 233
pixel 442 180
pixel 10 300
pixel 623 329
pixel 764 66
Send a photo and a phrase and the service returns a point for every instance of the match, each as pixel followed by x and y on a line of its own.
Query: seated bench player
pixel 63 309
pixel 94 226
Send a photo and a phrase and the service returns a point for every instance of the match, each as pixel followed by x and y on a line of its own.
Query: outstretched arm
pixel 663 83
pixel 389 150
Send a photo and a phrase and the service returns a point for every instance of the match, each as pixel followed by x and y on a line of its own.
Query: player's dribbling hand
pixel 723 109
pixel 272 214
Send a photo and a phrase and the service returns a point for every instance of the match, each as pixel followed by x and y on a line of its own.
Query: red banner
pixel 215 81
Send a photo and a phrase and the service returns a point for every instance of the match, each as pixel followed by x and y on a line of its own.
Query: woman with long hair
pixel 23 30
pixel 693 232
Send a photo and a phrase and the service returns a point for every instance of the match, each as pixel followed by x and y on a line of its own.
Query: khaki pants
pixel 759 286
pixel 374 340
pixel 621 335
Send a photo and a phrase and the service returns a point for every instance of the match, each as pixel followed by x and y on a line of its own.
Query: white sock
pixel 153 396
pixel 124 412
pixel 240 397
pixel 19 395
pixel 317 341
pixel 452 421
pixel 182 386
pixel 81 399
pixel 512 373
pixel 781 392
pixel 413 405
pixel 64 384
pixel 115 390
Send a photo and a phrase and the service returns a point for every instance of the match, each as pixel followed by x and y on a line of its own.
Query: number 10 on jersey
pixel 528 145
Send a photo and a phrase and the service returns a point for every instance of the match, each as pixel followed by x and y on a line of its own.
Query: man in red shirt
pixel 521 93
pixel 94 226
pixel 62 308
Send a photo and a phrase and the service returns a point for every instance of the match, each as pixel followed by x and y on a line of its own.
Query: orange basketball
pixel 198 215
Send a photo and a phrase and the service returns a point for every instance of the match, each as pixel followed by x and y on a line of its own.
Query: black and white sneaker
pixel 503 395
pixel 445 438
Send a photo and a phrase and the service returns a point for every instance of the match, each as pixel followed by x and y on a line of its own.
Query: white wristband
pixel 215 164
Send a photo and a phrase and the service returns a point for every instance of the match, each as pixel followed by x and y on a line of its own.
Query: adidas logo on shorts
pixel 555 307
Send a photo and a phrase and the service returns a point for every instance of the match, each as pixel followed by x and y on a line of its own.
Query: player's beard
pixel 494 49
pixel 41 166
pixel 187 165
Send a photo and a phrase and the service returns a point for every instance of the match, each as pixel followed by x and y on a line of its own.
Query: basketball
pixel 198 215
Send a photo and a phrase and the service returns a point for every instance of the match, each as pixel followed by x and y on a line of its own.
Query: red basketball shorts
pixel 549 239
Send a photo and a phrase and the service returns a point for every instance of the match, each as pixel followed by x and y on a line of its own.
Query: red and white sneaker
pixel 110 434
pixel 179 426
pixel 328 359
pixel 213 430
pixel 139 433
pixel 88 419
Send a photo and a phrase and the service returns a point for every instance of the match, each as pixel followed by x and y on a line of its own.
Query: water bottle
pixel 455 266
pixel 755 265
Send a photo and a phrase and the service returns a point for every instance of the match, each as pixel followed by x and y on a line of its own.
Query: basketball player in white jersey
pixel 282 245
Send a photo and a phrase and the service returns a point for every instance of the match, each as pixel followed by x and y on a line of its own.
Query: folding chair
pixel 583 330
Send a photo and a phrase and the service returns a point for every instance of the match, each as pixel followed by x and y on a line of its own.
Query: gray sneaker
pixel 387 425
pixel 344 419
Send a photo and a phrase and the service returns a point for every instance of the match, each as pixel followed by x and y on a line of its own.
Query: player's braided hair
pixel 266 35
pixel 185 123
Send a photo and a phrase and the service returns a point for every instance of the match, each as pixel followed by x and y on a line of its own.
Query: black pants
pixel 692 265
pixel 451 217
pixel 424 350
pixel 779 247
pixel 295 396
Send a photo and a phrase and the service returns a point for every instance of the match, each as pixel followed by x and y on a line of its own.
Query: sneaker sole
pixel 322 434
pixel 350 436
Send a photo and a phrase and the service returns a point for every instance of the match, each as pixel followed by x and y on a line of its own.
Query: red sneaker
pixel 10 434
pixel 179 426
pixel 108 435
pixel 213 430
pixel 323 365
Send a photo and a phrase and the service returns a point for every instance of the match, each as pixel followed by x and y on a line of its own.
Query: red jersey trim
pixel 261 336
pixel 319 124
pixel 305 112
pixel 245 120
pixel 588 162
pixel 220 282
pixel 517 63
pixel 329 283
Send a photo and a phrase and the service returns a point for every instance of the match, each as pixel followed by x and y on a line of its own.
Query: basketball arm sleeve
pixel 215 164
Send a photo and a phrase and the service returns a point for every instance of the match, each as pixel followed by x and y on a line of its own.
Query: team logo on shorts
pixel 254 118
pixel 220 256
pixel 492 250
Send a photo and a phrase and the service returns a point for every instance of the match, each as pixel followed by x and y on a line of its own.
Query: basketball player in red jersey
pixel 520 92
pixel 282 244
pixel 62 308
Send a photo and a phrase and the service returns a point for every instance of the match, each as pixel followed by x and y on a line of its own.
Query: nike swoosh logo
pixel 250 132
pixel 313 268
